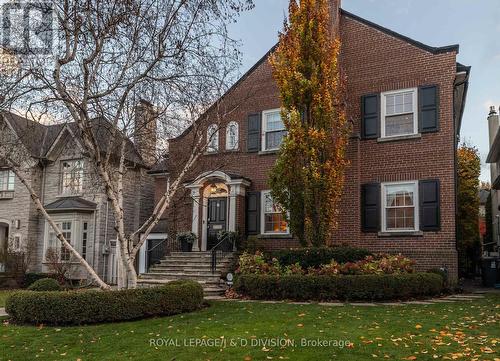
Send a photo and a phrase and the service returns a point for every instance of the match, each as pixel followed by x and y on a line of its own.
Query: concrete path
pixel 448 299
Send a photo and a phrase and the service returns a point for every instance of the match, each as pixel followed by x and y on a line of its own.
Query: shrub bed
pixel 317 256
pixel 85 307
pixel 353 287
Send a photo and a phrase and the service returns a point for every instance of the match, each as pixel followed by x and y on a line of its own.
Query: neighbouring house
pixel 60 173
pixel 405 101
pixel 494 159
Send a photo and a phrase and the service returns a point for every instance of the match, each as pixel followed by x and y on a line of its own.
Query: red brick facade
pixel 373 61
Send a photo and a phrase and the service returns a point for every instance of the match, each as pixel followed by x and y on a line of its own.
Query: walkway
pixel 448 299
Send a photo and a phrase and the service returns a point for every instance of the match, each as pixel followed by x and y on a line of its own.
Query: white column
pixel 237 188
pixel 195 195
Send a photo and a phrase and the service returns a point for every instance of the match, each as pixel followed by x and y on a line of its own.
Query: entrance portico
pixel 223 193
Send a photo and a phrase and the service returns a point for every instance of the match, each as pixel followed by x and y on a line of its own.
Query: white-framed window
pixel 273 129
pixel 85 237
pixel 399 113
pixel 232 135
pixel 72 177
pixel 54 244
pixel 16 244
pixel 6 180
pixel 213 139
pixel 400 207
pixel 272 219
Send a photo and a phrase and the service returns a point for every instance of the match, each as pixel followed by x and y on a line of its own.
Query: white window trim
pixel 10 174
pixel 384 110
pixel 263 216
pixel 212 135
pixel 415 200
pixel 237 144
pixel 82 180
pixel 263 129
pixel 77 220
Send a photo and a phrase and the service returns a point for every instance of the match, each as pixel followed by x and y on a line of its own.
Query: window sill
pixel 210 153
pixel 69 195
pixel 400 137
pixel 275 236
pixel 266 152
pixel 401 234
pixel 6 195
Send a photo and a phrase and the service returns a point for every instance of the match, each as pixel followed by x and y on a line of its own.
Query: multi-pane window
pixel 66 232
pixel 213 138
pixel 273 129
pixel 273 219
pixel 85 233
pixel 6 180
pixel 232 136
pixel 72 176
pixel 399 116
pixel 400 211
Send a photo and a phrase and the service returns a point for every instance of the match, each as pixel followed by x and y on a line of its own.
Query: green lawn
pixel 417 332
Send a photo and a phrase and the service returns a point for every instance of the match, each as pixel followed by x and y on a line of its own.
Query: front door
pixel 216 219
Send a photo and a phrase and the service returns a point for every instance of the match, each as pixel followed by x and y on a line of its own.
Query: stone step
pixel 192 271
pixel 208 289
pixel 182 276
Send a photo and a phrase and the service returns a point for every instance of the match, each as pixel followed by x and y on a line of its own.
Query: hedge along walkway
pixel 447 299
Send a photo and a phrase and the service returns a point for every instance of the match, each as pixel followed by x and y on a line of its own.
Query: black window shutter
pixel 253 213
pixel 428 100
pixel 370 207
pixel 430 219
pixel 370 116
pixel 253 132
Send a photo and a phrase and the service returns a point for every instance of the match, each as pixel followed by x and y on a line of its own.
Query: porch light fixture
pixel 213 188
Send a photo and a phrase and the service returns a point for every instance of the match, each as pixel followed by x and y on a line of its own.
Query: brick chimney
pixel 145 131
pixel 335 15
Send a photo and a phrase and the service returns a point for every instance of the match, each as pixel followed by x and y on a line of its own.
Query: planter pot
pixel 186 246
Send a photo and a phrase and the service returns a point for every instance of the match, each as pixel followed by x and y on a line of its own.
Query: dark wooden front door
pixel 216 220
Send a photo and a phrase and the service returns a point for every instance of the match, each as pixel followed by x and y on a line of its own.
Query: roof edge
pixel 418 44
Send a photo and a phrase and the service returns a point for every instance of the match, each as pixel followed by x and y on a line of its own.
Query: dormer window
pixel 213 139
pixel 72 177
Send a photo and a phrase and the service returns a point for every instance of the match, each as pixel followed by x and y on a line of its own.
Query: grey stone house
pixel 61 174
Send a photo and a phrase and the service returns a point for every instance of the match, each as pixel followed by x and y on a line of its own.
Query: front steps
pixel 195 266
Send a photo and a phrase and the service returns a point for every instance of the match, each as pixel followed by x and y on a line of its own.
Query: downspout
pixel 456 132
pixel 105 246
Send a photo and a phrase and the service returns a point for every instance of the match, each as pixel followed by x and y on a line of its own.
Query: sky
pixel 473 24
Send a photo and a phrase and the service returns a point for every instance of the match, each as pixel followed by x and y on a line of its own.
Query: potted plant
pixel 186 239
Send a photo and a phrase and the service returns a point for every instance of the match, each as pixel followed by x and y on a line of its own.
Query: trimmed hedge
pixel 85 307
pixel 30 278
pixel 315 257
pixel 356 287
pixel 45 284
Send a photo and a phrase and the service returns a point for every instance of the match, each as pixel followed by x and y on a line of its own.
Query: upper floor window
pixel 400 211
pixel 6 180
pixel 399 113
pixel 273 129
pixel 213 138
pixel 273 218
pixel 232 136
pixel 72 176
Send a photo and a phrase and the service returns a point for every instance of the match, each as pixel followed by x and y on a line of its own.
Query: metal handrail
pixel 216 249
pixel 159 244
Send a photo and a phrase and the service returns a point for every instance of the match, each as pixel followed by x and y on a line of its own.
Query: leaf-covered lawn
pixel 448 331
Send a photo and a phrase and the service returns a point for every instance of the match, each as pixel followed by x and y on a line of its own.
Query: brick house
pixel 405 101
pixel 59 172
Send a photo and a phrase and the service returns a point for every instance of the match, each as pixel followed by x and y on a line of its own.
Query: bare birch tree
pixel 105 57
